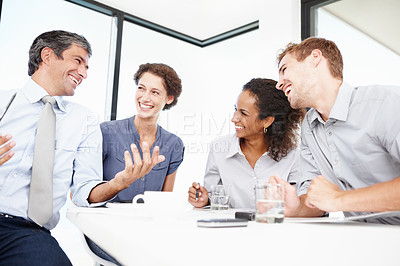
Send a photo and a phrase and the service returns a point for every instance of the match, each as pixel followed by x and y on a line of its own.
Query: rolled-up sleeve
pixel 388 130
pixel 294 174
pixel 176 156
pixel 307 164
pixel 87 166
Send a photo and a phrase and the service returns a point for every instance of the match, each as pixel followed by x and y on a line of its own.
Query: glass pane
pixel 212 78
pixel 24 20
pixel 366 61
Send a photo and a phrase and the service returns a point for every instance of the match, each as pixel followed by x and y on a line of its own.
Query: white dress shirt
pixel 77 162
pixel 227 165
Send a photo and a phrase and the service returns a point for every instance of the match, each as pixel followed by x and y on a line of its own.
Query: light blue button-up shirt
pixel 359 144
pixel 77 162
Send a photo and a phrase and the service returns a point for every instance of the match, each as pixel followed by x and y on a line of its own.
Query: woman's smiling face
pixel 151 96
pixel 246 116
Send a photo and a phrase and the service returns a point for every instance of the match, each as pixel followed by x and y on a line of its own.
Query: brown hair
pixel 171 81
pixel 328 48
pixel 283 133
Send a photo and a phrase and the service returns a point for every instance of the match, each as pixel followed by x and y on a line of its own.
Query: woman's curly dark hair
pixel 171 81
pixel 283 133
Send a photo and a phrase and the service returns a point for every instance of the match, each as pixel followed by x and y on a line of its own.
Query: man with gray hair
pixel 58 63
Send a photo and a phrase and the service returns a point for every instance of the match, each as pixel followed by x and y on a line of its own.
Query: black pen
pixel 197 192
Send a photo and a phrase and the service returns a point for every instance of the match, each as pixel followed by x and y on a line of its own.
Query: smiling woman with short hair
pixel 158 88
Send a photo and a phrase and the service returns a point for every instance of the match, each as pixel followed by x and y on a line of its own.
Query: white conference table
pixel 134 236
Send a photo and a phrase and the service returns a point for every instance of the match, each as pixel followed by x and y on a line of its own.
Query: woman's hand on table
pixel 198 195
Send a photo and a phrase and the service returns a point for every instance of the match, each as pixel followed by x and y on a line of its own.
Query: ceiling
pixel 204 19
pixel 378 19
pixel 200 19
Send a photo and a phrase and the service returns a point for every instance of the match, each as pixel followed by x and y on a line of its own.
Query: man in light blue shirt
pixel 58 63
pixel 350 149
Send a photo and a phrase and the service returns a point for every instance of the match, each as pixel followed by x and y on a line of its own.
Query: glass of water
pixel 219 198
pixel 270 202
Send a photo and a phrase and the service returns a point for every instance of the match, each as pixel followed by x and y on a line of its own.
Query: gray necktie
pixel 40 208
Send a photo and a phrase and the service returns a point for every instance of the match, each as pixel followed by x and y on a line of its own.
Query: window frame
pixel 309 16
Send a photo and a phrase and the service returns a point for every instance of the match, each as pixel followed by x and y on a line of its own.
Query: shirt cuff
pixel 303 188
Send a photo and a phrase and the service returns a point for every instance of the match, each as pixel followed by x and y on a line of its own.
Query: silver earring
pixel 265 130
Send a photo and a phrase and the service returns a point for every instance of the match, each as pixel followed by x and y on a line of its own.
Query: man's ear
pixel 316 56
pixel 46 55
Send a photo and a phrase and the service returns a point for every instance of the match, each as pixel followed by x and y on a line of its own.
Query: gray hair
pixel 58 41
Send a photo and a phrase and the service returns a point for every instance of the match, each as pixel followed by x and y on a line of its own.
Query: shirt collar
pixel 340 108
pixel 312 117
pixel 34 93
pixel 234 147
pixel 131 124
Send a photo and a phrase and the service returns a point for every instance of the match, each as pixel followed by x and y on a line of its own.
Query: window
pixel 367 60
pixel 212 78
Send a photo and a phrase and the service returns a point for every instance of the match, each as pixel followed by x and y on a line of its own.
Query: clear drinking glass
pixel 219 197
pixel 270 202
